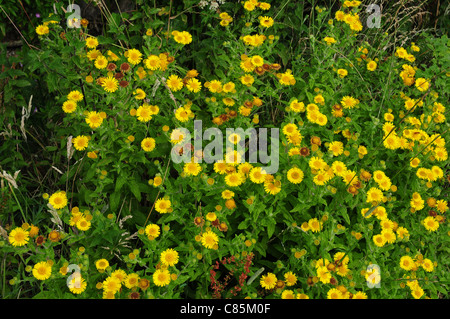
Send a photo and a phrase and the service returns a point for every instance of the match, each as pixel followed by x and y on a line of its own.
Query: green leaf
pixel 121 180
pixel 114 200
pixel 134 188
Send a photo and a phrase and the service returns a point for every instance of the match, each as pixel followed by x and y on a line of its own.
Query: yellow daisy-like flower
pixel 336 147
pixel 315 225
pixel 334 293
pixel 268 281
pixel 101 62
pixel 111 284
pixel 406 263
pixel 194 85
pixel 174 82
pixel 234 179
pixel 192 169
pixel 342 73
pixel 131 280
pixel 76 96
pixel 77 285
pixel 161 277
pixel 94 119
pixel 148 144
pixel 152 231
pixel 182 37
pixel 183 114
pixel 371 66
pixel 422 84
pixel 69 106
pixel 80 142
pixel 290 278
pixel 379 240
pixel 266 22
pixel 83 224
pixel 163 206
pixel 209 239
pixel 169 257
pixel 286 78
pixel 139 94
pixel 18 237
pixel 153 62
pixel 247 79
pixel 144 113
pixel 42 270
pixel 349 102
pixel 430 223
pixel 101 264
pixel 58 200
pixel 91 42
pixel 134 56
pixel 257 60
pixel 374 195
pixel 295 175
pixel 110 84
pixel 42 29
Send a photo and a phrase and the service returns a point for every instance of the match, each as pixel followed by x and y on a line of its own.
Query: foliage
pixel 362 179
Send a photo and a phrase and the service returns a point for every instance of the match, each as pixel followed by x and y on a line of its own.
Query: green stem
pixel 18 203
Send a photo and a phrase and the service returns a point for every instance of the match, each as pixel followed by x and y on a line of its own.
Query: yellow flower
pixel 234 179
pixel 42 270
pixel 152 62
pixel 144 113
pixel 69 106
pixel 131 280
pixel 336 147
pixel 169 257
pixel 148 144
pixel 422 84
pixel 80 142
pixel 111 284
pixel 76 96
pixel 91 42
pixel 110 84
pixel 315 225
pixel 101 264
pixel 139 94
pixel 163 206
pixel 42 29
pixel 295 175
pixel 247 79
pixel 342 73
pixel 94 119
pixel 209 239
pixel 174 82
pixel 286 78
pixel 193 85
pixel 83 224
pixel 152 231
pixel 58 200
pixel 161 277
pixel 101 62
pixel 329 40
pixel 18 237
pixel 334 293
pixel 430 223
pixel 266 22
pixel 192 169
pixel 371 66
pixel 182 37
pixel 77 285
pixel 134 56
pixel 406 263
pixel 268 281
